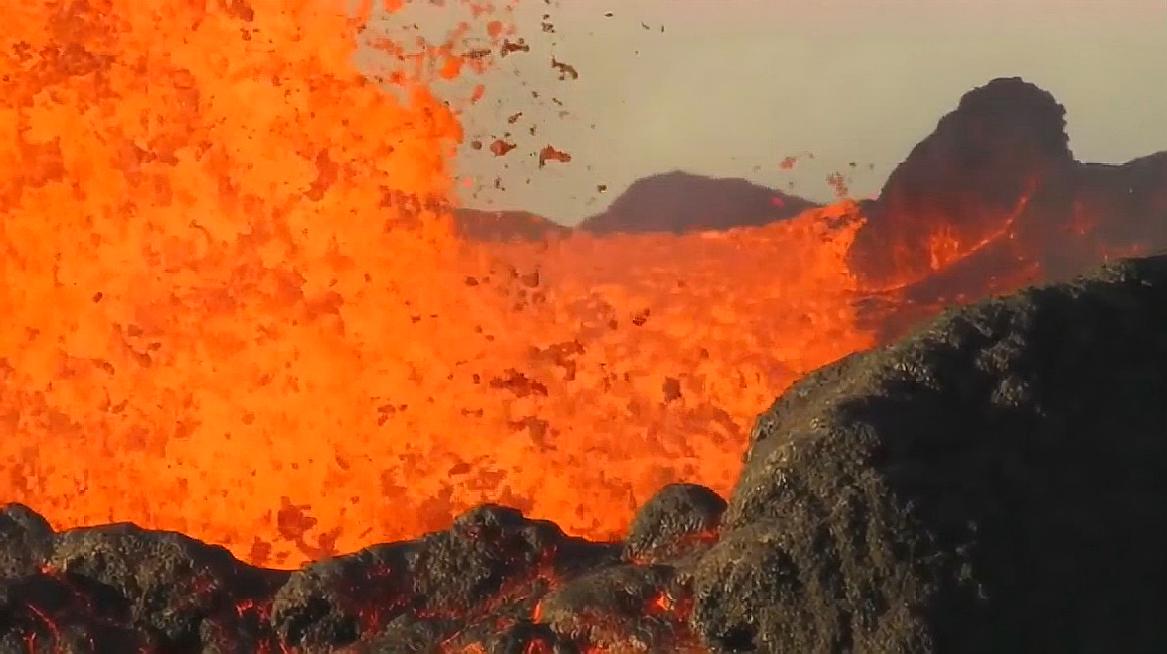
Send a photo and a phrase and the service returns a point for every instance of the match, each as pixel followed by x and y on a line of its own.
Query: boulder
pixel 993 482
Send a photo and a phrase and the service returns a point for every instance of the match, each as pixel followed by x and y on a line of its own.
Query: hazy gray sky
pixel 732 86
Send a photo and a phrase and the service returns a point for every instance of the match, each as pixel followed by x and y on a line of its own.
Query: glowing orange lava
pixel 232 306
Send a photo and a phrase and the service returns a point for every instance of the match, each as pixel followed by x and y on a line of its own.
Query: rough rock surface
pixel 680 202
pixel 675 522
pixel 25 541
pixel 672 202
pixel 484 225
pixel 997 174
pixel 994 482
pixel 492 564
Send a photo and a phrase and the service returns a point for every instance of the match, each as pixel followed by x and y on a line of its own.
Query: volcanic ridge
pixel 1004 150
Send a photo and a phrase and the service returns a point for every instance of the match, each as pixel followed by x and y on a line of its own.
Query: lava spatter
pixel 230 278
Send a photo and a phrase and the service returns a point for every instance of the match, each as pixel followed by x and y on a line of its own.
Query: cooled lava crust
pixel 993 482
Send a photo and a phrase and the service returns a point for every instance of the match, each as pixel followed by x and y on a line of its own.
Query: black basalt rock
pixel 26 539
pixel 53 613
pixel 680 519
pixel 492 564
pixel 994 482
pixel 622 607
pixel 335 601
pixel 169 582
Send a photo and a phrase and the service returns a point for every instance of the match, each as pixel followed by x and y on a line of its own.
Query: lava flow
pixel 234 306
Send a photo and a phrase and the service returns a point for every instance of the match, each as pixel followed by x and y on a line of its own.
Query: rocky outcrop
pixel 500 226
pixel 992 483
pixel 494 580
pixel 677 202
pixel 674 202
pixel 995 189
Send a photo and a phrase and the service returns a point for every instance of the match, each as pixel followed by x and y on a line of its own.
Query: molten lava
pixel 234 308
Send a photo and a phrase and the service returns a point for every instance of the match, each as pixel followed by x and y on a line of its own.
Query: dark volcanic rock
pixel 407 634
pixel 1003 142
pixel 680 202
pixel 1128 202
pixel 169 582
pixel 487 225
pixel 987 150
pixel 994 482
pixel 331 602
pixel 492 563
pixel 673 202
pixel 620 607
pixel 997 177
pixel 44 612
pixel 26 539
pixel 677 521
